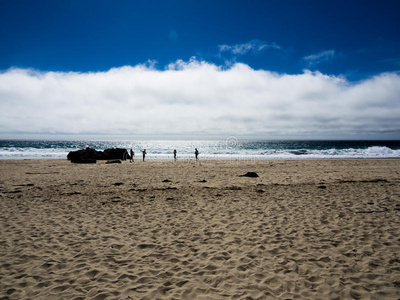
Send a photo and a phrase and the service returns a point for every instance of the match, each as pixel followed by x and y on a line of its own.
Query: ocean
pixel 230 148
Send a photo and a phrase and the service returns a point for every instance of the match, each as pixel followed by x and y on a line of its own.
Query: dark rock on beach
pixel 115 153
pixel 83 160
pixel 250 174
pixel 90 155
pixel 87 155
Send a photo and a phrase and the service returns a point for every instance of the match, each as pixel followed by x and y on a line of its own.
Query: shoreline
pixel 215 159
pixel 227 149
pixel 307 229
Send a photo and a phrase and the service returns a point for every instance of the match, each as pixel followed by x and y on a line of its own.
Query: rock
pixel 113 161
pixel 166 180
pixel 250 174
pixel 90 155
pixel 83 161
pixel 87 155
pixel 115 153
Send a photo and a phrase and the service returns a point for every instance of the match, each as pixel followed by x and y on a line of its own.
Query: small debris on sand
pixel 250 174
pixel 113 161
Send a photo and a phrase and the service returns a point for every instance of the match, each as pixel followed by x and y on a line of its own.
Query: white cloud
pixel 253 46
pixel 197 97
pixel 320 57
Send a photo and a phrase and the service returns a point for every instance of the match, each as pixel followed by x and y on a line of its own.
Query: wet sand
pixel 304 229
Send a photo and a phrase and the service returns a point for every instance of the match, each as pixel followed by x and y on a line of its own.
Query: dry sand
pixel 305 229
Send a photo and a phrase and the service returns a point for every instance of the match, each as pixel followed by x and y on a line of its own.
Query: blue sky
pixel 335 48
pixel 354 38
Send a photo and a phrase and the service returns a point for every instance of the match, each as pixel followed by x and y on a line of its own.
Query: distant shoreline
pixel 228 149
pixel 222 160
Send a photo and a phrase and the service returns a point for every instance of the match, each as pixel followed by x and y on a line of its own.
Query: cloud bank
pixel 198 98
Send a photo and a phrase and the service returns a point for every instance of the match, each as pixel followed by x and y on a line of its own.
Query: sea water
pixel 230 148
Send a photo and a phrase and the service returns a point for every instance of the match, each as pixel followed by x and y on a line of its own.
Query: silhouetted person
pixel 144 153
pixel 196 153
pixel 132 155
pixel 175 154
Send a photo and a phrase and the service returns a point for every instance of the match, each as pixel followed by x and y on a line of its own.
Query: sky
pixel 260 69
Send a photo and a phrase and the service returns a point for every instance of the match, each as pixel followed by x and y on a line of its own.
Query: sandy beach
pixel 303 229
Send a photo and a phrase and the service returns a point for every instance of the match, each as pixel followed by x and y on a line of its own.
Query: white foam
pixel 33 153
pixel 209 150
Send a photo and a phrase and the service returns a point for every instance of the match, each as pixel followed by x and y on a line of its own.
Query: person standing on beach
pixel 196 153
pixel 175 154
pixel 144 153
pixel 132 155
